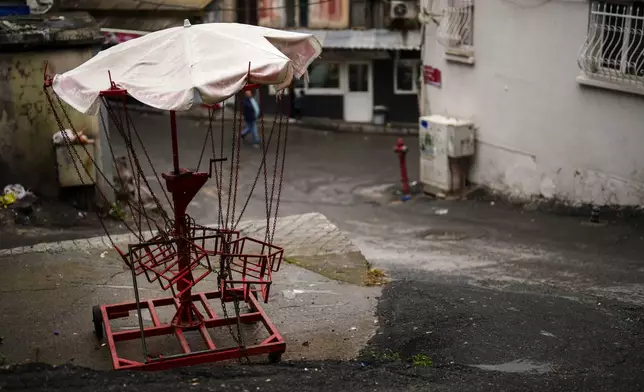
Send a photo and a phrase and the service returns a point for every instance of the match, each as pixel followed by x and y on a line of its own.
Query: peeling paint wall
pixel 332 14
pixel 540 133
pixel 272 13
pixel 224 10
pixel 27 123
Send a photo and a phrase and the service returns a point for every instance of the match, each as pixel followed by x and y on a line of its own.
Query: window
pixel 358 75
pixel 406 76
pixel 613 52
pixel 456 30
pixel 359 14
pixel 324 75
pixel 303 12
pixel 367 14
pixel 324 78
pixel 378 15
pixel 290 13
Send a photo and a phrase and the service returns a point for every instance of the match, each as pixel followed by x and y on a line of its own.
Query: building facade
pixel 371 56
pixel 555 91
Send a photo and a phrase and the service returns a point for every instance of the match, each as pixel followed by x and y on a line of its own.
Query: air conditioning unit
pixel 39 7
pixel 403 10
pixel 446 144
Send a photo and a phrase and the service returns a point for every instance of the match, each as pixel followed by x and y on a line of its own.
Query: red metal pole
pixel 401 150
pixel 184 315
pixel 175 142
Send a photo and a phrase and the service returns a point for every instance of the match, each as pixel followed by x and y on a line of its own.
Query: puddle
pixel 442 235
pixel 518 366
pixel 290 294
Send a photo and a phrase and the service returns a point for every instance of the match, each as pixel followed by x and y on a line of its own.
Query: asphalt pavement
pixel 483 296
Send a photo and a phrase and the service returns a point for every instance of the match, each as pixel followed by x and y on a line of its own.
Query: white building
pixel 555 88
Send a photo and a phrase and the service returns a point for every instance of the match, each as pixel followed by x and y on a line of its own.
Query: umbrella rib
pixel 188 51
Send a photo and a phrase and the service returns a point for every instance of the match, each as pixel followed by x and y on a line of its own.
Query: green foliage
pixel 385 355
pixel 422 360
pixel 117 212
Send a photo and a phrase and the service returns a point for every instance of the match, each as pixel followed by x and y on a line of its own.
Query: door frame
pixel 347 92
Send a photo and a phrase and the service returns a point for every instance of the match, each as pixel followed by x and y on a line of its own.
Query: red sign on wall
pixel 115 37
pixel 432 76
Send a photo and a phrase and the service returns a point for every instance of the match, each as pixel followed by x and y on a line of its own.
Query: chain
pixel 109 142
pixel 263 164
pixel 220 183
pixel 92 160
pixel 252 189
pixel 226 260
pixel 232 155
pixel 129 144
pixel 208 135
pixel 156 174
pixel 265 148
pixel 132 155
pixel 117 121
pixel 236 167
pixel 277 151
pixel 279 189
pixel 225 271
pixel 136 178
pixel 69 150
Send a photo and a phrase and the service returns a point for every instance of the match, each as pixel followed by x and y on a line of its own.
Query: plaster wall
pixel 540 133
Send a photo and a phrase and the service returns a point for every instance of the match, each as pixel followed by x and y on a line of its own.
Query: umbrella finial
pixel 186 23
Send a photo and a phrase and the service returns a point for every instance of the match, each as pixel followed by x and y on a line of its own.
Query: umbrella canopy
pixel 173 69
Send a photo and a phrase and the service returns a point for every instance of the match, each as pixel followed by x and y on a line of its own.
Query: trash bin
pixel 380 115
pixel 75 159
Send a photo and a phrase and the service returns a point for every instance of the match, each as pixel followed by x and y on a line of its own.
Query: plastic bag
pixel 7 199
pixel 61 137
pixel 17 190
pixel 69 136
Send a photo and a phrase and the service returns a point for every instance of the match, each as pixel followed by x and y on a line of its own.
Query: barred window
pixel 614 46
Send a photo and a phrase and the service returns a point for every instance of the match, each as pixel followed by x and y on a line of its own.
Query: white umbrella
pixel 172 69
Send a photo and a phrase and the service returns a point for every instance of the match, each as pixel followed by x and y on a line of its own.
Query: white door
pixel 358 99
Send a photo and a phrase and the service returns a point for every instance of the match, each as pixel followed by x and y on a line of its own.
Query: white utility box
pixel 445 147
pixel 70 163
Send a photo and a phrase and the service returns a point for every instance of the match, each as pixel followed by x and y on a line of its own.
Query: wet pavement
pixel 483 296
pixel 52 295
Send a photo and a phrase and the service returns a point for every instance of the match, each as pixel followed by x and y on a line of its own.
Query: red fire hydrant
pixel 401 150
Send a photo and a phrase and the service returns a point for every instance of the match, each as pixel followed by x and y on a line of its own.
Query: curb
pixel 319 125
pixel 103 242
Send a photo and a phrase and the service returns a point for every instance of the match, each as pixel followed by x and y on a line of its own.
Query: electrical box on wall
pixel 446 144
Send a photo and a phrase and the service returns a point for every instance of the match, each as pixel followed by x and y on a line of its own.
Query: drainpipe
pixel 421 76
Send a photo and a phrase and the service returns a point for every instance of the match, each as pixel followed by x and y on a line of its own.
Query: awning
pixel 374 39
pixel 131 5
